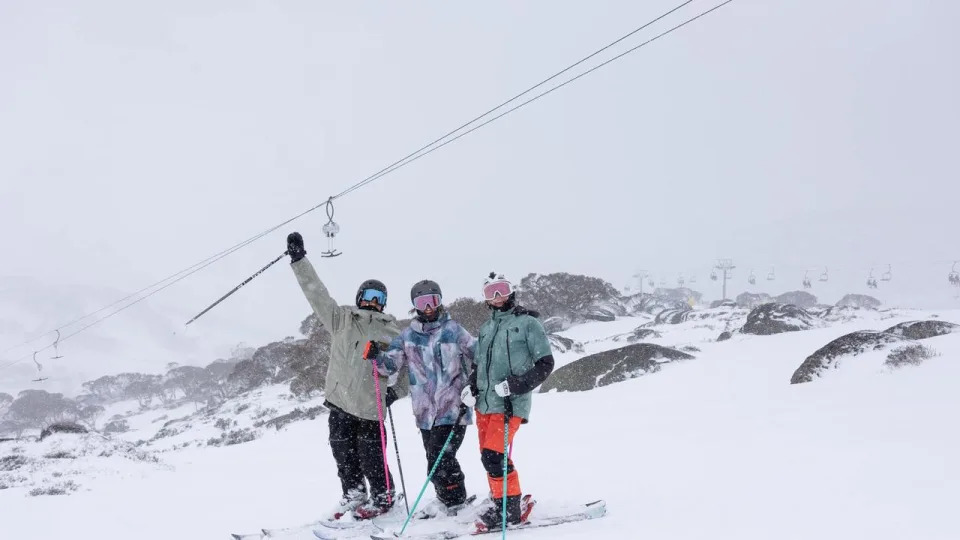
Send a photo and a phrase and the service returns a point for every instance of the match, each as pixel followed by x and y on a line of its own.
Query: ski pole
pixel 433 469
pixel 507 409
pixel 237 288
pixel 383 437
pixel 396 447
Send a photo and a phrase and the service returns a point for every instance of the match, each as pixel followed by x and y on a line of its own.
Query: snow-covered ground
pixel 721 446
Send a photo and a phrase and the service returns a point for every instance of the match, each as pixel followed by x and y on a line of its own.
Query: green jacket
pixel 508 344
pixel 349 384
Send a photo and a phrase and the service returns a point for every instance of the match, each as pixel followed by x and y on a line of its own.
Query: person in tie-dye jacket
pixel 438 353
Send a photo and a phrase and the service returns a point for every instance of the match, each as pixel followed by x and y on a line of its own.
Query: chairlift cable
pixel 410 158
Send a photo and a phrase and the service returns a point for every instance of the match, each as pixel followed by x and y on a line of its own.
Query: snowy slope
pixel 721 446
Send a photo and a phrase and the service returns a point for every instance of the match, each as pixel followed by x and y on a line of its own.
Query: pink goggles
pixel 501 288
pixel 425 301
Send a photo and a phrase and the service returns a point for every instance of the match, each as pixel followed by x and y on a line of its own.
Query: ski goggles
pixel 431 301
pixel 501 288
pixel 370 295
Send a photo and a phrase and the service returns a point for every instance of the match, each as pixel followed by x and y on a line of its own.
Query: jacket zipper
pixel 489 360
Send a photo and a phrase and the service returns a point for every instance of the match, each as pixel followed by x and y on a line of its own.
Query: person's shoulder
pixel 487 324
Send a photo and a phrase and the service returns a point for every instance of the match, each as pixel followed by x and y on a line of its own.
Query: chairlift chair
pixel 954 276
pixel 56 348
pixel 680 280
pixel 713 276
pixel 330 230
pixel 693 278
pixel 651 283
pixel 887 276
pixel 752 279
pixel 824 276
pixel 871 281
pixel 806 281
pixel 771 276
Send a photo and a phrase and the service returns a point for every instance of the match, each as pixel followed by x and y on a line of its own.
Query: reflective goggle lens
pixel 372 294
pixel 502 288
pixel 427 300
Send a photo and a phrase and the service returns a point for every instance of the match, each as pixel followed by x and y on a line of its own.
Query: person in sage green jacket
pixel 350 389
pixel 513 357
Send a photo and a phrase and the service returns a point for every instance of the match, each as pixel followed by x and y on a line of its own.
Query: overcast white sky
pixel 139 138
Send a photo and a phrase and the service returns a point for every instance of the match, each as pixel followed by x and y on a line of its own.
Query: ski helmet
pixel 498 285
pixel 424 287
pixel 372 285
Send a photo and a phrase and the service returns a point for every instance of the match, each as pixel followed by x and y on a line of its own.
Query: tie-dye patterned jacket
pixel 439 355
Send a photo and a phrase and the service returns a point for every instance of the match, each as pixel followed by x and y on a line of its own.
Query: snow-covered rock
pixel 801 299
pixel 857 343
pixel 859 301
pixel 600 314
pixel 610 367
pixel 776 318
pixel 552 325
pixel 853 344
pixel 750 300
pixel 923 329
pixel 672 316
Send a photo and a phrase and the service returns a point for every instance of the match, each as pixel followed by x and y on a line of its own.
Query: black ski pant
pixel 356 448
pixel 448 479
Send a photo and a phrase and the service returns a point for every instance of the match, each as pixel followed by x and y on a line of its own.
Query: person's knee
pixel 493 462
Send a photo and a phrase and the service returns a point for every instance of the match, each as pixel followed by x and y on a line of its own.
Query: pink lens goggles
pixel 431 301
pixel 502 288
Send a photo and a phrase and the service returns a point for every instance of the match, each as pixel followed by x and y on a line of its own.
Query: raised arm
pixel 314 290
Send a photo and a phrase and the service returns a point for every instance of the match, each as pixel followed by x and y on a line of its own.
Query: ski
pixel 285 531
pixel 364 529
pixel 591 510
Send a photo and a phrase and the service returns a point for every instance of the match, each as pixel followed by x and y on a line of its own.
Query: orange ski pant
pixel 490 432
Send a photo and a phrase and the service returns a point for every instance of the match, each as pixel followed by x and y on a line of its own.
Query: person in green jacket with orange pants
pixel 513 357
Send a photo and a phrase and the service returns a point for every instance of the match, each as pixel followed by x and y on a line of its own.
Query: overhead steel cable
pixel 406 160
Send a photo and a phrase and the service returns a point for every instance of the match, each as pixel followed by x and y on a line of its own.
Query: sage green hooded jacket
pixel 349 382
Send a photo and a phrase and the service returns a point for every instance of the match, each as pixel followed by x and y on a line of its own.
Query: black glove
pixel 391 396
pixel 295 247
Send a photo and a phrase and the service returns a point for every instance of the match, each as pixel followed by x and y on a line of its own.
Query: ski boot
pixel 349 502
pixel 518 509
pixel 375 506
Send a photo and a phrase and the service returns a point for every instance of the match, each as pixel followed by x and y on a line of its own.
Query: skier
pixel 438 353
pixel 350 390
pixel 513 357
